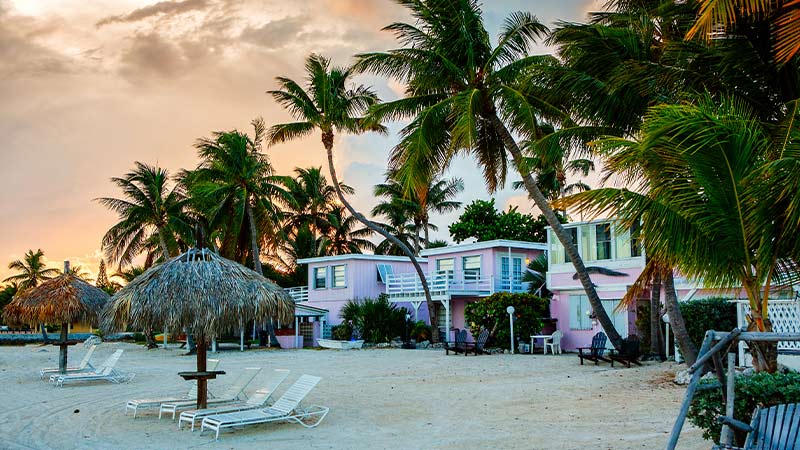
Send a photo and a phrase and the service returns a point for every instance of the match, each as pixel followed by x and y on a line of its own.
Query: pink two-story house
pixel 456 275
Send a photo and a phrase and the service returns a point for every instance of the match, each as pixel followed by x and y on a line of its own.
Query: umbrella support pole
pixel 62 351
pixel 202 383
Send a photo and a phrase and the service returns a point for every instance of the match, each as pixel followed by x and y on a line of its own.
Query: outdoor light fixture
pixel 510 310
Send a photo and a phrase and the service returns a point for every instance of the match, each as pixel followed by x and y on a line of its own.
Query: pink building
pixel 456 275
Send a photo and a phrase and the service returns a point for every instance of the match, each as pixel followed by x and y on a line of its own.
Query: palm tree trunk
pixel 44 333
pixel 416 238
pixel 685 343
pixel 427 233
pixel 163 242
pixel 327 141
pixel 254 238
pixel 655 315
pixel 566 240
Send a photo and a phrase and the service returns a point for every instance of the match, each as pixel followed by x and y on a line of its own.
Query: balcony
pixel 298 294
pixel 443 285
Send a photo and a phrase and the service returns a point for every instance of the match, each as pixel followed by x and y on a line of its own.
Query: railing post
pixel 491 284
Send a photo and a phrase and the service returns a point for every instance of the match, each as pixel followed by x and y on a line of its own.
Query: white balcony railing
pixel 445 283
pixel 298 294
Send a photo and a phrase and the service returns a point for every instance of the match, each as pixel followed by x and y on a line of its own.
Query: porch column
pixel 446 304
pixel 165 337
pixel 214 345
pixel 296 330
pixel 241 339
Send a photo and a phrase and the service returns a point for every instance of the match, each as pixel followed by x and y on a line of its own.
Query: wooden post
pixel 727 434
pixel 202 383
pixel 690 390
pixel 62 354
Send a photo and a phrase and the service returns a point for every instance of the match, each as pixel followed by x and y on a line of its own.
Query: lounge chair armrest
pixel 735 424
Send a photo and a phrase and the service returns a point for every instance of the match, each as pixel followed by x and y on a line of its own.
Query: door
pixel 511 274
pixel 620 319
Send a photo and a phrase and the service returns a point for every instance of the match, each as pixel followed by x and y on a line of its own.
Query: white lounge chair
pixel 256 401
pixel 285 408
pixel 83 366
pixel 147 403
pixel 231 395
pixel 554 342
pixel 104 372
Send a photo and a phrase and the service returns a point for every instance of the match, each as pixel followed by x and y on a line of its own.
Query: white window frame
pixel 464 266
pixel 333 276
pixel 315 278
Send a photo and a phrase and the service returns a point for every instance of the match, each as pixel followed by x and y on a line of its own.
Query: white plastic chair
pixel 554 342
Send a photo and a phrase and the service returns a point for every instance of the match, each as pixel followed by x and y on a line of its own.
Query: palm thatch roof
pixel 198 290
pixel 63 299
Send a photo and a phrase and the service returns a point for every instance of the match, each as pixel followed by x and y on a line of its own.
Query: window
pixel 320 277
pixel 603 240
pixel 636 239
pixel 579 309
pixel 384 271
pixel 511 281
pixel 472 267
pixel 573 232
pixel 338 278
pixel 445 266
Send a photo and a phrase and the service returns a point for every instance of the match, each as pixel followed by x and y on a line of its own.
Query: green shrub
pixel 342 332
pixel 760 389
pixel 490 313
pixel 703 314
pixel 375 320
pixel 421 331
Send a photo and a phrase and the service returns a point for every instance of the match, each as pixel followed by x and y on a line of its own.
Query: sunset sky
pixel 89 87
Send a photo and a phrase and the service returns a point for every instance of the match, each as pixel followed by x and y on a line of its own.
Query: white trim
pixel 483 246
pixel 358 256
pixel 636 262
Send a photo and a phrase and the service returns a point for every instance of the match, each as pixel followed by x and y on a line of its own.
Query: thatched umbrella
pixel 202 292
pixel 63 299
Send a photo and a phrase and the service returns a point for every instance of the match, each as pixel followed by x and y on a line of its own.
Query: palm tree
pixel 150 211
pixel 465 96
pixel 80 272
pixel 330 104
pixel 345 235
pixel 397 223
pixel 234 186
pixel 536 276
pixel 310 199
pixel 129 274
pixel 716 198
pixel 32 271
pixel 716 15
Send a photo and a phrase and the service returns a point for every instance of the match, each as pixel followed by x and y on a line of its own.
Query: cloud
pixel 151 54
pixel 276 33
pixel 161 8
pixel 21 54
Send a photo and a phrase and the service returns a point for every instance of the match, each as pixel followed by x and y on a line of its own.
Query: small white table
pixel 544 338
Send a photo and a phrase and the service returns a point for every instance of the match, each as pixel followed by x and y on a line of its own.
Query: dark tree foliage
pixel 482 221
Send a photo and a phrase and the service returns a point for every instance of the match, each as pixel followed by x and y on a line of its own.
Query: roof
pixel 301 310
pixel 358 256
pixel 585 222
pixel 497 243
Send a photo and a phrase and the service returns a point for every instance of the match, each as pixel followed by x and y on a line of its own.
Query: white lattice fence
pixel 785 317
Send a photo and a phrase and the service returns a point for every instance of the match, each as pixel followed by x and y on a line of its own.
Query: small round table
pixel 202 384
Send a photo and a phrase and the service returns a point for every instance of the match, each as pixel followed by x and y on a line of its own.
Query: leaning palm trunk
pixel 682 337
pixel 765 354
pixel 327 141
pixel 566 240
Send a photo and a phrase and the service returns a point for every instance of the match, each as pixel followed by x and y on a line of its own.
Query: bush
pixel 490 313
pixel 421 331
pixel 375 320
pixel 716 313
pixel 760 389
pixel 342 332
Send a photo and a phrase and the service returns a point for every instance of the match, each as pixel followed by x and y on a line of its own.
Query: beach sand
pixel 379 399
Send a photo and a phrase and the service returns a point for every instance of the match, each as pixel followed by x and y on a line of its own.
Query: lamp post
pixel 510 310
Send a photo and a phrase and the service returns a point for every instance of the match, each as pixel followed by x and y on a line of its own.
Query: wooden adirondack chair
pixel 477 347
pixel 774 428
pixel 460 344
pixel 596 351
pixel 629 353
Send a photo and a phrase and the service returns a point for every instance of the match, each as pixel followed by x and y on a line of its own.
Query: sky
pixel 89 87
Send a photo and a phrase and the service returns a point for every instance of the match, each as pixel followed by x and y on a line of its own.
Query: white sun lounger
pixel 231 395
pixel 147 403
pixel 257 400
pixel 83 366
pixel 285 408
pixel 104 372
